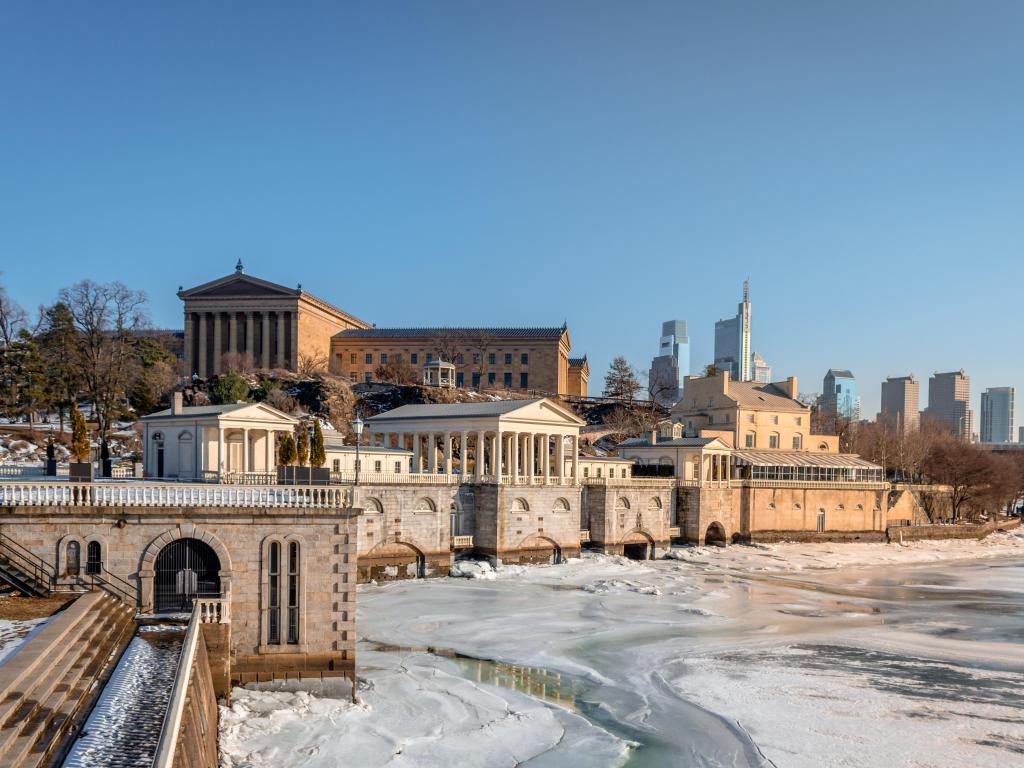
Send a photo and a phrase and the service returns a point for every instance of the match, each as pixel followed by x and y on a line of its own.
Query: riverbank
pixel 792 655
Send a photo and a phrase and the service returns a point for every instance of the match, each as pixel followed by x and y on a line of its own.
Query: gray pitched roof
pixel 200 410
pixel 457 333
pixel 840 373
pixel 679 442
pixel 453 410
pixel 751 394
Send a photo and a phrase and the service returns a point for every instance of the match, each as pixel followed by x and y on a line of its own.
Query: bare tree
pixel 397 372
pixel 106 318
pixel 447 344
pixel 966 469
pixel 311 364
pixel 239 362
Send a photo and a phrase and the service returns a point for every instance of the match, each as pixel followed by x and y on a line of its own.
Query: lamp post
pixel 357 427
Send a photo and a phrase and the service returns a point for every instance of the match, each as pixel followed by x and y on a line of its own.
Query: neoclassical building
pixel 271 325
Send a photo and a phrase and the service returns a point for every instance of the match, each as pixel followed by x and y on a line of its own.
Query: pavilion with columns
pixel 518 442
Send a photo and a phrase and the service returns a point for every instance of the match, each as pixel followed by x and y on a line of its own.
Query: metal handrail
pixel 43 572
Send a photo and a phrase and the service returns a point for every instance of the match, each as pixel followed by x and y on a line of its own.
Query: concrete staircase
pixel 52 680
pixel 22 570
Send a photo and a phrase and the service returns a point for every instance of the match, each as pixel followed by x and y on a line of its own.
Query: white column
pixel 246 464
pixel 217 343
pixel 220 449
pixel 546 458
pixel 416 466
pixel 560 458
pixel 464 456
pixel 268 459
pixel 201 352
pixel 531 449
pixel 496 456
pixel 447 453
pixel 432 453
pixel 515 457
pixel 279 358
pixel 265 340
pixel 575 458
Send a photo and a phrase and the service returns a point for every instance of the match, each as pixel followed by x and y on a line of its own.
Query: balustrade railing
pixel 459 542
pixel 164 494
pixel 212 611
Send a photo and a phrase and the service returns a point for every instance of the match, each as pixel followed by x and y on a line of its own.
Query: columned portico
pixel 510 441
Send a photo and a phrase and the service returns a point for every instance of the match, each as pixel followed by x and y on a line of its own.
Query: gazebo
pixel 439 373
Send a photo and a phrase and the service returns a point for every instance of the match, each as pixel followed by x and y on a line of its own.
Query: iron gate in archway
pixel 185 569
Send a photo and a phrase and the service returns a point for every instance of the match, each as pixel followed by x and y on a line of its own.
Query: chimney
pixel 725 382
pixel 789 387
pixel 177 404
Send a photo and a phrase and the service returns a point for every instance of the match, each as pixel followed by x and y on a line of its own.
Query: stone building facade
pixel 513 359
pixel 128 530
pixel 265 324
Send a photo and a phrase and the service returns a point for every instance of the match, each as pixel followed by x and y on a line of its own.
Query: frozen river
pixel 813 655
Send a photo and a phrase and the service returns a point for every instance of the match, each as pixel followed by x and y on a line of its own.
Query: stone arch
pixel 519 504
pixel 561 505
pixel 147 564
pixel 622 503
pixel 373 505
pixel 714 535
pixel 638 544
pixel 264 607
pixel 424 506
pixel 654 504
pixel 395 558
pixel 537 544
pixel 62 555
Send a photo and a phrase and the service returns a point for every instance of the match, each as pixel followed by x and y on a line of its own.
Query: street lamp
pixel 357 427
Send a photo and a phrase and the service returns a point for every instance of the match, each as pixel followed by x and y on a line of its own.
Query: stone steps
pixel 53 679
pixel 14 576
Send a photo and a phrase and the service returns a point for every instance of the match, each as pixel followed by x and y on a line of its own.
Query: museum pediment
pixel 238 286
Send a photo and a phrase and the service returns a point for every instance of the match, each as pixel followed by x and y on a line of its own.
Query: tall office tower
pixel 732 341
pixel 949 396
pixel 900 398
pixel 762 371
pixel 839 394
pixel 997 415
pixel 671 366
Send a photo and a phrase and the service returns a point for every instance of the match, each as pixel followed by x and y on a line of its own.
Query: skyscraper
pixel 900 398
pixel 997 415
pixel 732 342
pixel 839 394
pixel 949 396
pixel 671 365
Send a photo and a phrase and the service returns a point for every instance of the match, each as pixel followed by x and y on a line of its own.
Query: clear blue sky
pixel 609 164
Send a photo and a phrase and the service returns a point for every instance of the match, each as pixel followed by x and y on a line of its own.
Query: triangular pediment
pixel 238 285
pixel 545 411
pixel 261 412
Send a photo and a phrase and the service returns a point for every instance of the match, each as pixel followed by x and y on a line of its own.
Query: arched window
pixel 93 559
pixel 822 446
pixel 561 505
pixel 520 505
pixel 798 442
pixel 622 503
pixel 274 596
pixel 293 592
pixel 373 506
pixel 654 504
pixel 424 506
pixel 74 558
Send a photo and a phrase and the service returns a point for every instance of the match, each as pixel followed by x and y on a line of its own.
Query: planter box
pixel 303 476
pixel 107 468
pixel 51 467
pixel 80 472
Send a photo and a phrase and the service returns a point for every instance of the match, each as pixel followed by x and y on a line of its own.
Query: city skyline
pixel 331 157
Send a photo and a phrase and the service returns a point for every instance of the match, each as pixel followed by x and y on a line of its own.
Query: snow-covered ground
pixel 14 632
pixel 786 655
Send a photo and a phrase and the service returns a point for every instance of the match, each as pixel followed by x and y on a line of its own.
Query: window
pixel 336 465
pixel 491 359
pixel 508 358
pixel 353 376
pixel 274 598
pixel 797 442
pixel 508 379
pixel 398 358
pixel 460 379
pixel 460 360
pixel 799 420
pixel 561 505
pixel 491 378
pixel 598 471
pixel 524 380
pixel 74 557
pixel 383 358
pixel 430 357
pixel 775 419
pixel 368 377
pixel 369 358
pixel 749 442
pixel 711 419
pixel 586 471
pixel 821 521
pixel 398 467
pixel 773 440
pixel 727 418
pixel 476 358
pixel 414 358
pixel 93 563
pixel 293 593
pixel 750 418
pixel 524 359
pixel 376 466
pixel 352 358
pixel 476 380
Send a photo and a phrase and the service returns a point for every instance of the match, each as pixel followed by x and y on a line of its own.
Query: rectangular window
pixel 508 358
pixel 821 522
pixel 336 465
pixel 476 380
pixel 430 357
pixel 750 440
pixel 398 467
pixel 398 358
pixel 491 359
pixel 352 358
pixel 775 419
pixel 354 376
pixel 376 466
pixel 368 377
pixel 508 379
pixel 383 358
pixel 524 359
pixel 773 441
pixel 293 593
pixel 476 358
pixel 524 380
pixel 369 358
pixel 586 471
pixel 414 358
pixel 799 420
pixel 490 378
pixel 796 442
pixel 460 380
pixel 460 360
